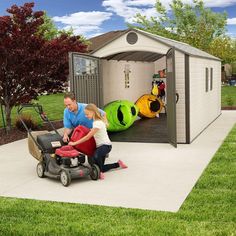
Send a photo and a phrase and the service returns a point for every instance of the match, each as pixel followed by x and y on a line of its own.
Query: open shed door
pixel 84 78
pixel 171 97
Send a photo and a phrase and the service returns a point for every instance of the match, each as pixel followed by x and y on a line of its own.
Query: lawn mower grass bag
pixel 88 147
pixel 32 147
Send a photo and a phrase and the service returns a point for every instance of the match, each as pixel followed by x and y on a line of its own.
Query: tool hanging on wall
pixel 127 72
pixel 155 90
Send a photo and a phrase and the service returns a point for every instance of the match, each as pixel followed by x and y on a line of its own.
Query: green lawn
pixel 210 209
pixel 226 92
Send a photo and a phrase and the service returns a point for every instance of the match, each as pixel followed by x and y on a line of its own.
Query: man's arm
pixel 66 134
pixel 67 126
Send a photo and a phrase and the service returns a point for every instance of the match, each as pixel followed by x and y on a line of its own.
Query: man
pixel 74 115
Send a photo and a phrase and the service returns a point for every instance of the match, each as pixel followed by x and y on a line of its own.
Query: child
pixel 103 143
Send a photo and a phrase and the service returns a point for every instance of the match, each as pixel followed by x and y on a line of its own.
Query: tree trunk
pixel 8 109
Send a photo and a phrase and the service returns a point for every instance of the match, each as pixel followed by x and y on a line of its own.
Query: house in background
pixel 228 74
pixel 99 77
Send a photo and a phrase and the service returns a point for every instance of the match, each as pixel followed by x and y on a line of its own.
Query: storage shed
pixel 99 77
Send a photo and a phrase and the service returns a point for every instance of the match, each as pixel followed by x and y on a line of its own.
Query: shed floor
pixel 144 131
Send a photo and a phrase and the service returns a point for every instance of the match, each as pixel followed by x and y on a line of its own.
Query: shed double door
pixel 84 78
pixel 171 97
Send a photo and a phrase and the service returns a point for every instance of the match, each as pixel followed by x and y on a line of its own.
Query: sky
pixel 93 17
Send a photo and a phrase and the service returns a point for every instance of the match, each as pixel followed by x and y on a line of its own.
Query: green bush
pixel 28 120
pixel 229 101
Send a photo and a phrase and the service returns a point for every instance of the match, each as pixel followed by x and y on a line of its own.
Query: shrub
pixel 229 101
pixel 30 123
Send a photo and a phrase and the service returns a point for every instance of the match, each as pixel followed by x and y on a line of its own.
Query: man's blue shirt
pixel 72 119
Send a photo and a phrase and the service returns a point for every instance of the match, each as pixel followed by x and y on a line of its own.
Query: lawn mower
pixel 57 159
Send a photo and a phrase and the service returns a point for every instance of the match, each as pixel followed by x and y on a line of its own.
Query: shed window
pixel 207 80
pixel 211 79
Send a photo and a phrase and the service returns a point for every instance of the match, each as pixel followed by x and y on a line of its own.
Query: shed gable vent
pixel 132 38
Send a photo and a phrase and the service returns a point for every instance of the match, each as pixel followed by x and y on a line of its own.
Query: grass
pixel 53 106
pixel 210 209
pixel 226 93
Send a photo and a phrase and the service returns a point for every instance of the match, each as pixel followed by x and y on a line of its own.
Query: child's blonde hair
pixel 97 115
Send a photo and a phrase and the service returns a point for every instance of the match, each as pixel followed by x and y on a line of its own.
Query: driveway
pixel 159 176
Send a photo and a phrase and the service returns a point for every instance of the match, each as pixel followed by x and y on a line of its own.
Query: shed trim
pixel 187 99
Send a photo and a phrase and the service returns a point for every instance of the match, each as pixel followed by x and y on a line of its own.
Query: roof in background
pixel 102 40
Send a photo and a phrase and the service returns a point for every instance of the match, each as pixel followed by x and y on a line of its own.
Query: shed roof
pixel 102 40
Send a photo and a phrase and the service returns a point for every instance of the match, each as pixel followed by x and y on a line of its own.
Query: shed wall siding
pixel 140 80
pixel 121 45
pixel 204 106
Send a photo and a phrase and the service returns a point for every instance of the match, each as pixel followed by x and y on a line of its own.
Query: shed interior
pixel 141 66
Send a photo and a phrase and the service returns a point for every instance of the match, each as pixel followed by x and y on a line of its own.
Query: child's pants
pixel 100 156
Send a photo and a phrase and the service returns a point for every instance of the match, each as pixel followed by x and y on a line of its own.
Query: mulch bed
pixel 16 134
pixel 229 108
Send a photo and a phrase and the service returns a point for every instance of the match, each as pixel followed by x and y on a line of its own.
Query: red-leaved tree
pixel 29 64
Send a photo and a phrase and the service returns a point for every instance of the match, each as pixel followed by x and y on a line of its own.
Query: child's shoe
pixel 122 164
pixel 102 176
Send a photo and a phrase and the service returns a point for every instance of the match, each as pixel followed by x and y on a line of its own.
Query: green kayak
pixel 121 114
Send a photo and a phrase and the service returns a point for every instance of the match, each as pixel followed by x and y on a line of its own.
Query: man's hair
pixel 70 95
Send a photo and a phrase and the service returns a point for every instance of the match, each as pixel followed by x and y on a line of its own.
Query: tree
pixel 224 48
pixel 50 31
pixel 48 28
pixel 193 24
pixel 30 64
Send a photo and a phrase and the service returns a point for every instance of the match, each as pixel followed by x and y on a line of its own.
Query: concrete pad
pixel 159 176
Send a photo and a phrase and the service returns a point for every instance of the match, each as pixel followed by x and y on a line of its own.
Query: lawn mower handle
pixel 39 109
